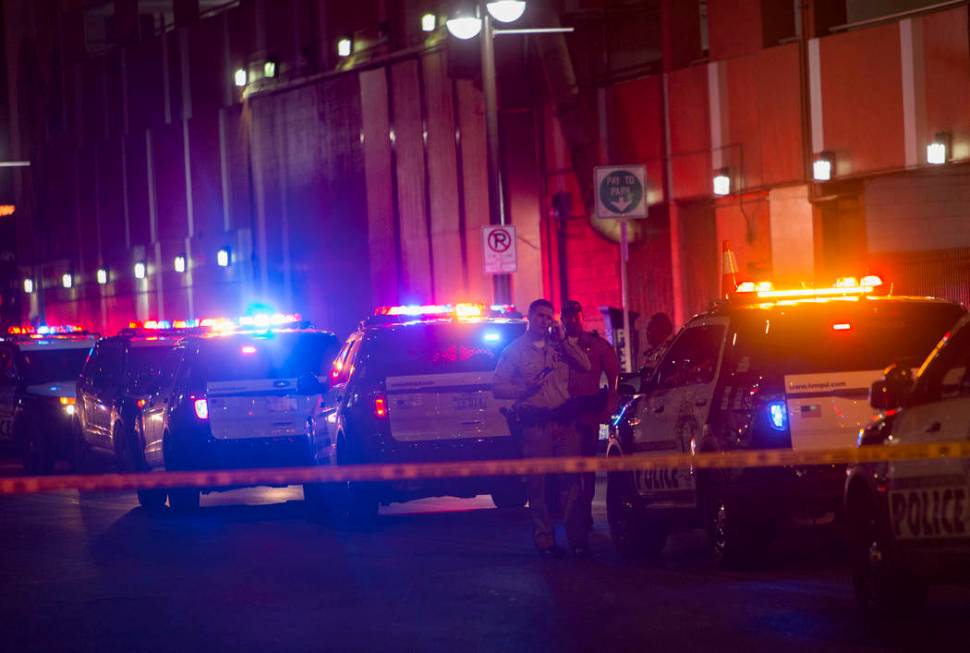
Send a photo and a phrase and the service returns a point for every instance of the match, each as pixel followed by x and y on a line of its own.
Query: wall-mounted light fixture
pixel 269 69
pixel 67 280
pixel 140 270
pixel 28 286
pixel 722 182
pixel 222 257
pixel 429 23
pixel 344 47
pixel 240 77
pixel 179 263
pixel 938 152
pixel 102 276
pixel 823 166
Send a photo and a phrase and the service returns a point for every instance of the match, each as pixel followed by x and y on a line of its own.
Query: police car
pixel 242 396
pixel 909 521
pixel 414 384
pixel 767 369
pixel 120 376
pixel 38 370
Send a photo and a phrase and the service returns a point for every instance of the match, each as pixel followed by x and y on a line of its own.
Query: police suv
pixel 767 369
pixel 38 370
pixel 909 521
pixel 120 376
pixel 244 397
pixel 414 384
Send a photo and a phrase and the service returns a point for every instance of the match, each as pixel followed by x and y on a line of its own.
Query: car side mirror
pixel 893 390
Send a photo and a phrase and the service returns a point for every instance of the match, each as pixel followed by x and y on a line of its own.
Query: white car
pixel 909 521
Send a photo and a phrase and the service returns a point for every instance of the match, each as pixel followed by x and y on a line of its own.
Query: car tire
pixel 184 501
pixel 152 500
pixel 634 535
pixel 37 452
pixel 883 589
pixel 510 495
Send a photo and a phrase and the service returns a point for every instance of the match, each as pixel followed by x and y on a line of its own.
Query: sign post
pixel 621 194
pixel 499 248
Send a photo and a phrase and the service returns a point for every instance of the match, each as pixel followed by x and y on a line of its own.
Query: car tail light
pixel 777 415
pixel 201 408
pixel 141 403
pixel 380 406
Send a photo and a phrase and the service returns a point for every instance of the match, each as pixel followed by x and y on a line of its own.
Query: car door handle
pixel 934 427
pixel 659 409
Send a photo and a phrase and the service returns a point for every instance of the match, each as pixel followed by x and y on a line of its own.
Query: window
pixel 693 358
pixel 946 376
pixel 109 367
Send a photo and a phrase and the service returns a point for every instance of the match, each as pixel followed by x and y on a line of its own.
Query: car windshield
pixel 273 355
pixel 841 336
pixel 435 348
pixel 151 368
pixel 49 365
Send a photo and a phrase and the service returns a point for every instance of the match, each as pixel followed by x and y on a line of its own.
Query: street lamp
pixel 468 20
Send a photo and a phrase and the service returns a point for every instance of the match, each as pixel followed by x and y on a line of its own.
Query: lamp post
pixel 467 22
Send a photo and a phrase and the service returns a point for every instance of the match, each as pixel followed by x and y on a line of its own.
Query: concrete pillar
pixel 792 235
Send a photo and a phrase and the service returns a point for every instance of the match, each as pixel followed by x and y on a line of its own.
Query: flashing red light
pixel 380 407
pixel 842 326
pixel 248 349
pixel 201 408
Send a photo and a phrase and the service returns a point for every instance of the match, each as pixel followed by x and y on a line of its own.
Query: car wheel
pixel 184 501
pixel 882 587
pixel 510 494
pixel 634 535
pixel 36 450
pixel 152 500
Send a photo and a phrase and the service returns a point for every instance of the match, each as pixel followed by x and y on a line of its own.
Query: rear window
pixel 47 366
pixel 270 356
pixel 840 336
pixel 151 368
pixel 435 348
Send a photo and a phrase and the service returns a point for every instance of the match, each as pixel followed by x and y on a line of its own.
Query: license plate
pixel 280 404
pixel 470 402
pixel 930 513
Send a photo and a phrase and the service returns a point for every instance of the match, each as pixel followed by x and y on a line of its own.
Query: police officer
pixel 593 404
pixel 534 371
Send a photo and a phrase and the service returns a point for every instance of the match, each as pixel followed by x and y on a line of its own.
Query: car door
pixel 8 394
pixel 155 413
pixel 930 499
pixel 325 434
pixel 85 393
pixel 676 406
pixel 106 386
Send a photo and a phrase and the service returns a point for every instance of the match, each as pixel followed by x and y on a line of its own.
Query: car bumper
pixel 249 453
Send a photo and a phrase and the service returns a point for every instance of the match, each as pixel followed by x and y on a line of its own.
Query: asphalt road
pixel 93 572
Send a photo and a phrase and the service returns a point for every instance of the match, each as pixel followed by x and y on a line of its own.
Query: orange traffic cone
pixel 729 270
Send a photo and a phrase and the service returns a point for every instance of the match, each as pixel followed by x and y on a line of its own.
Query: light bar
pixel 46 330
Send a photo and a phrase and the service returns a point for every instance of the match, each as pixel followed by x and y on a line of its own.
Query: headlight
pixel 68 404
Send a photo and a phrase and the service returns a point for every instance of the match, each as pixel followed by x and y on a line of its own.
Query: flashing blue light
pixel 43 330
pixel 492 336
pixel 778 415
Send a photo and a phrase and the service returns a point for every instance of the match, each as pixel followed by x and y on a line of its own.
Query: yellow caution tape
pixel 516 467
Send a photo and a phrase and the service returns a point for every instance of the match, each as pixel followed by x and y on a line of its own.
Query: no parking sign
pixel 499 247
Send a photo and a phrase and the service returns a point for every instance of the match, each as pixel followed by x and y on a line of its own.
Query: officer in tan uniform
pixel 594 404
pixel 534 371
